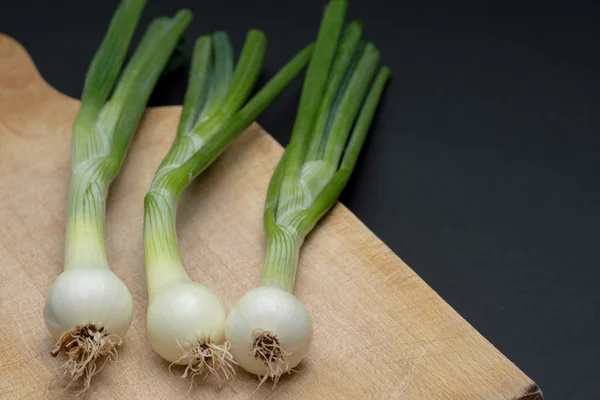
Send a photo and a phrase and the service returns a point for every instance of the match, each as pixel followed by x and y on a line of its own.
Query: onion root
pixel 207 359
pixel 268 349
pixel 83 345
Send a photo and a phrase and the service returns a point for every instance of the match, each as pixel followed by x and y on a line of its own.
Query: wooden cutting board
pixel 380 331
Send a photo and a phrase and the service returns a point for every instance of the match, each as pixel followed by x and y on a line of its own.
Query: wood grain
pixel 380 331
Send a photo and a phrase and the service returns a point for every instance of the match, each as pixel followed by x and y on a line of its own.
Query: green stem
pixel 320 157
pixel 101 138
pixel 314 85
pixel 281 259
pixel 196 150
pixel 224 69
pixel 365 118
pixel 85 221
pixel 330 193
pixel 212 148
pixel 349 106
pixel 347 49
pixel 105 67
pixel 154 53
pixel 198 85
pixel 163 261
pixel 245 76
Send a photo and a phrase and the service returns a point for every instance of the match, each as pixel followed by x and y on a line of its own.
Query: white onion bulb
pixel 88 296
pixel 183 316
pixel 269 318
pixel 88 311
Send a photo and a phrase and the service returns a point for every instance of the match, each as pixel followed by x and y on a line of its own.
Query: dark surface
pixel 482 168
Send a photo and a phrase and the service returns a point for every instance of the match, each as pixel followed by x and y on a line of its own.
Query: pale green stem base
pixel 163 261
pixel 85 246
pixel 281 260
pixel 85 222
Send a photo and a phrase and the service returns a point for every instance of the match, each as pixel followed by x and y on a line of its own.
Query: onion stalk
pixel 269 329
pixel 88 309
pixel 185 320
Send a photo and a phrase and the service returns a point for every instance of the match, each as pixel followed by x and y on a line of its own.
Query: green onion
pixel 186 321
pixel 269 329
pixel 89 309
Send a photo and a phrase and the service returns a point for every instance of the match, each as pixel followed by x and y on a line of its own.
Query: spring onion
pixel 185 320
pixel 89 309
pixel 269 329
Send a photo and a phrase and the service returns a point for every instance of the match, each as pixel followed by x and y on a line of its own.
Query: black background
pixel 482 167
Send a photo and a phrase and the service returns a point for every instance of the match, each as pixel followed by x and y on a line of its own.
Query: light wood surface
pixel 380 331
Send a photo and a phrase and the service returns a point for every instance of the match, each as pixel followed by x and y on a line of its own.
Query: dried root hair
pixel 268 349
pixel 207 359
pixel 84 345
